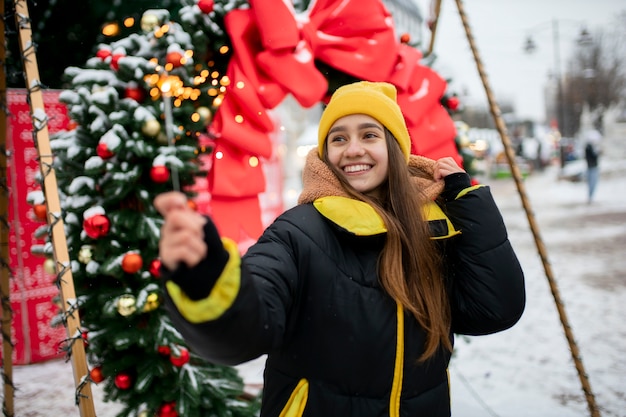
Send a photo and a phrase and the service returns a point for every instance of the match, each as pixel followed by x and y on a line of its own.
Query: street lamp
pixel 530 46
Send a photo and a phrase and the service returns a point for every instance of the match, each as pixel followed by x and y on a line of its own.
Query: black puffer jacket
pixel 307 294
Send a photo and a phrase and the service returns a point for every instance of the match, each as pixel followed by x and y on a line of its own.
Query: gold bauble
pixel 205 114
pixel 162 139
pixel 50 266
pixel 85 254
pixel 126 305
pixel 143 413
pixel 152 302
pixel 149 21
pixel 151 127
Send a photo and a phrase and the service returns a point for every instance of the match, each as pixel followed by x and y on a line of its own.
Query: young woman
pixel 355 293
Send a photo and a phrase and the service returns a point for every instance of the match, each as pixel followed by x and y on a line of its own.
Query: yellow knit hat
pixel 374 99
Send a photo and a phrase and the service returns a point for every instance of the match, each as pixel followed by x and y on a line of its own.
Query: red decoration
pixel 96 375
pixel 168 410
pixel 174 58
pixel 72 124
pixel 97 226
pixel 123 381
pixel 180 359
pixel 405 38
pixel 155 268
pixel 132 262
pixel 102 150
pixel 134 93
pixel 164 350
pixel 40 211
pixel 453 103
pixel 159 174
pixel 103 53
pixel 85 336
pixel 275 55
pixel 206 6
pixel 115 61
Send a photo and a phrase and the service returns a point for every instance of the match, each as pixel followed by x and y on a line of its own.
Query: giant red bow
pixel 274 54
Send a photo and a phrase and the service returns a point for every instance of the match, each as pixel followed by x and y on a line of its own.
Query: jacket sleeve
pixel 486 282
pixel 245 312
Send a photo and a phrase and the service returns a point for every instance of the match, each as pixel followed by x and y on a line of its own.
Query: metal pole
pixel 510 155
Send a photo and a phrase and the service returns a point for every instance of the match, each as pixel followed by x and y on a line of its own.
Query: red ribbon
pixel 419 92
pixel 274 54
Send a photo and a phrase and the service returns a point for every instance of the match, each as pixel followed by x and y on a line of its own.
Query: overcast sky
pixel 499 29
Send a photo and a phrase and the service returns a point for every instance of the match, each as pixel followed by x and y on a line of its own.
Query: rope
pixel 510 155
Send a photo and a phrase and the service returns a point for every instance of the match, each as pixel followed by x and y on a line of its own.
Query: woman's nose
pixel 355 148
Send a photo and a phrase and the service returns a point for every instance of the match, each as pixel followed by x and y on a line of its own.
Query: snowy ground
pixel 527 370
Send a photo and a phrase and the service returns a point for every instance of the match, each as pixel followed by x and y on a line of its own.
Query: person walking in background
pixel 354 294
pixel 592 155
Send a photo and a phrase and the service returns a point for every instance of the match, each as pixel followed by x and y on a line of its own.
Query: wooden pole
pixel 84 399
pixel 5 271
pixel 510 156
pixel 433 27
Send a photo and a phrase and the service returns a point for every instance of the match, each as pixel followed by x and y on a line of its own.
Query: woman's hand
pixel 182 237
pixel 444 167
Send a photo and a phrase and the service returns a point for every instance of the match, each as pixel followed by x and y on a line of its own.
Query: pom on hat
pixel 374 99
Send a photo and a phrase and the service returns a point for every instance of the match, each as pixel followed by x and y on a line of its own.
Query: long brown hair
pixel 410 265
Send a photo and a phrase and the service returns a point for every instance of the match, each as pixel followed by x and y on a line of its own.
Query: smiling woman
pixel 348 293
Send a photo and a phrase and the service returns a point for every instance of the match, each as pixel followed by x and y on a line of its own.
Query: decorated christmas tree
pixel 140 110
pixel 149 110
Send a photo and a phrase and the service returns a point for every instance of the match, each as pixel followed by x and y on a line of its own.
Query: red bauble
pixel 134 93
pixel 206 6
pixel 97 226
pixel 159 174
pixel 103 54
pixel 132 263
pixel 180 359
pixel 85 337
pixel 103 151
pixel 453 103
pixel 40 211
pixel 123 380
pixel 115 61
pixel 167 410
pixel 96 374
pixel 155 268
pixel 164 350
pixel 405 38
pixel 72 124
pixel 174 58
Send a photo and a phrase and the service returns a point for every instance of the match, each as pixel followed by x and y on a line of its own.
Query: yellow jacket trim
pixel 222 295
pixel 361 219
pixel 297 400
pixel 468 189
pixel 398 371
pixel 433 212
pixel 356 216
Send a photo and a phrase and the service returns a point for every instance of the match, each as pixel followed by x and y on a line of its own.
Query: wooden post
pixel 433 28
pixel 84 399
pixel 510 156
pixel 5 272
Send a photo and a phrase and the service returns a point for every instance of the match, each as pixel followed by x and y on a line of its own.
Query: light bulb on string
pixel 166 89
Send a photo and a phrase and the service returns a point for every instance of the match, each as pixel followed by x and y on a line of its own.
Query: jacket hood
pixel 319 181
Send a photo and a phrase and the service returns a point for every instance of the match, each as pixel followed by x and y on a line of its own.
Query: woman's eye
pixel 337 138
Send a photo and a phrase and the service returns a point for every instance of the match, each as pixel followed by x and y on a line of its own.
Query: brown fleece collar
pixel 319 181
